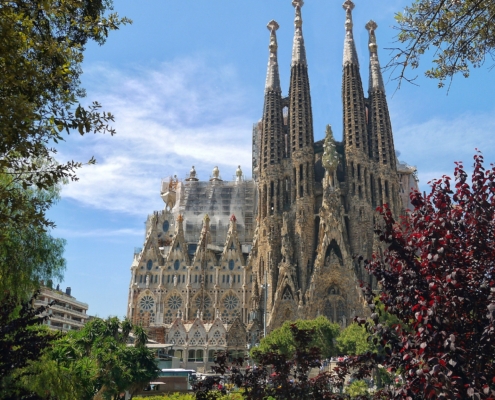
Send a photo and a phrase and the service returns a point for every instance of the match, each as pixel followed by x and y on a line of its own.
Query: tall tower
pixel 270 173
pixel 381 140
pixel 358 169
pixel 301 145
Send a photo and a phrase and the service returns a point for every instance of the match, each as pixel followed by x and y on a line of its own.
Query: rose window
pixel 230 302
pixel 174 302
pixel 146 303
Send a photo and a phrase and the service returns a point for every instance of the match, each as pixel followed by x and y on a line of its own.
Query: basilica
pixel 227 261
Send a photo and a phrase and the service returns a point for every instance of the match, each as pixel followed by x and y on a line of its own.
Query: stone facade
pixel 238 256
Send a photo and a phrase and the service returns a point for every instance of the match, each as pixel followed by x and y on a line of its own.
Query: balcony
pixel 66 320
pixel 69 311
pixel 63 297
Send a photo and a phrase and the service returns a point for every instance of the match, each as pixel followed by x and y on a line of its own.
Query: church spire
pixel 376 79
pixel 272 75
pixel 380 127
pixel 301 150
pixel 355 126
pixel 272 133
pixel 298 49
pixel 350 54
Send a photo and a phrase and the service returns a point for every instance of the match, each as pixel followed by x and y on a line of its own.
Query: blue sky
pixel 185 82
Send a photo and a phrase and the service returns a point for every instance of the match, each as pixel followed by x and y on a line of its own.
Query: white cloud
pixel 71 233
pixel 181 114
pixel 434 145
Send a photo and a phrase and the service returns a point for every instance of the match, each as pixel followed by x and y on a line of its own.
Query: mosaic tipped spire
pixel 298 49
pixel 376 79
pixel 350 54
pixel 272 75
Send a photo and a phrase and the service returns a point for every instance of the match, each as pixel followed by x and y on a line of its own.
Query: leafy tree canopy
pixel 41 52
pixel 277 375
pixel 458 33
pixel 22 340
pixel 353 340
pixel 438 279
pixel 95 362
pixel 28 255
pixel 282 338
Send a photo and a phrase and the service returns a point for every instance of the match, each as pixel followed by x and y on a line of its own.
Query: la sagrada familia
pixel 225 261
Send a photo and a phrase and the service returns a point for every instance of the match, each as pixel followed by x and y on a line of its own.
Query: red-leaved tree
pixel 438 277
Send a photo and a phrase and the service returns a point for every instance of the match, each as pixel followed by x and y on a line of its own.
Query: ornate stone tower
pixel 381 140
pixel 271 173
pixel 302 156
pixel 358 169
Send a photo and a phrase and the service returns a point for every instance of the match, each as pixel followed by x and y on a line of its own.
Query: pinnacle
pixel 371 25
pixel 297 3
pixel 273 25
pixel 348 5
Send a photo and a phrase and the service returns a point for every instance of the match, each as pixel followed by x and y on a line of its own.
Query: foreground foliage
pixel 94 363
pixel 28 255
pixel 438 278
pixel 353 340
pixel 22 340
pixel 458 33
pixel 276 375
pixel 324 335
pixel 187 396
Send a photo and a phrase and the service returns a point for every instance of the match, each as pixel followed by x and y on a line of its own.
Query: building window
pixel 211 355
pixel 231 265
pixel 176 265
pixel 195 355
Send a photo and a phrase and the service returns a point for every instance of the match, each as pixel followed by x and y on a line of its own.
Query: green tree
pixel 353 340
pixel 22 340
pixel 28 255
pixel 457 33
pixel 95 362
pixel 41 53
pixel 282 338
pixel 356 389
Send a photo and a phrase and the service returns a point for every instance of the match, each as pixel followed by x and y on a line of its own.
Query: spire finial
pixel 350 55
pixel 371 27
pixel 272 76
pixel 298 50
pixel 376 79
